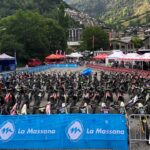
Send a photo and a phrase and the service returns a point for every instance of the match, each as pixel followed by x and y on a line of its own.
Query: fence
pixel 142 73
pixel 39 69
pixel 139 132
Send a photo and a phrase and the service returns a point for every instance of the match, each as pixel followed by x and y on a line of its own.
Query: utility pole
pixel 93 42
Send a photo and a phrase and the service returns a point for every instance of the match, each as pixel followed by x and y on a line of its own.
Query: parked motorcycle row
pixel 59 93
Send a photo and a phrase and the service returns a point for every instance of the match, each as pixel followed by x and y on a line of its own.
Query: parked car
pixel 34 62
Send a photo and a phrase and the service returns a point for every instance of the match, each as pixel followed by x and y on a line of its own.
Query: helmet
pixel 122 104
pixel 140 105
pixel 63 104
pixel 103 105
pixel 85 104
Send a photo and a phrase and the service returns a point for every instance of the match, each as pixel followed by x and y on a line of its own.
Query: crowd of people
pixel 55 92
pixel 127 65
pixel 131 65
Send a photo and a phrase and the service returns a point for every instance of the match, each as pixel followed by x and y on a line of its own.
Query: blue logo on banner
pixel 75 130
pixel 7 131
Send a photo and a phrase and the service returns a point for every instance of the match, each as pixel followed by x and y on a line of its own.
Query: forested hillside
pixel 33 28
pixel 125 12
pixel 44 7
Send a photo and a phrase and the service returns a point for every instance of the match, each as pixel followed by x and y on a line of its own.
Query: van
pixel 34 62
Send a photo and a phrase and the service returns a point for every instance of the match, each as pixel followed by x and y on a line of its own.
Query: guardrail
pixel 139 131
pixel 39 69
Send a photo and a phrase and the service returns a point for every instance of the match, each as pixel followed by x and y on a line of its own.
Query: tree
pixel 9 44
pixel 94 38
pixel 31 35
pixel 63 19
pixel 137 42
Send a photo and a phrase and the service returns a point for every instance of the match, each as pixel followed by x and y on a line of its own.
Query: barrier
pixel 139 131
pixel 145 74
pixel 39 69
pixel 99 131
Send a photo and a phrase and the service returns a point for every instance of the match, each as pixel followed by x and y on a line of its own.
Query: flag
pixel 56 51
pixel 60 52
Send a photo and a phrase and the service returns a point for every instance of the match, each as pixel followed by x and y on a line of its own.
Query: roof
pixel 116 54
pixel 143 50
pixel 123 39
pixel 146 37
pixel 148 30
pixel 75 55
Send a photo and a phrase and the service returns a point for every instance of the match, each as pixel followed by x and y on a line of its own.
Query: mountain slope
pixel 44 7
pixel 93 8
pixel 125 12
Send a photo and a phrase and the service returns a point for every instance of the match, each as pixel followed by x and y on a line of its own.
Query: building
pixel 74 38
pixel 84 18
pixel 125 44
pixel 146 42
pixel 74 34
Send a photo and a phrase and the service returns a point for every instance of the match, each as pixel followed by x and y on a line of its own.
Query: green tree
pixel 137 42
pixel 9 44
pixel 63 18
pixel 44 7
pixel 31 35
pixel 94 38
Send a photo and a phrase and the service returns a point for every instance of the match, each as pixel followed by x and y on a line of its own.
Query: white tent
pixel 145 57
pixel 6 57
pixel 74 55
pixel 115 55
pixel 131 57
pixel 7 63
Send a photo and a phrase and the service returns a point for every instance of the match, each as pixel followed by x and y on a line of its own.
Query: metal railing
pixel 139 131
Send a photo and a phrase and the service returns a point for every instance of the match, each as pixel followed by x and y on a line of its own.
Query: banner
pixel 38 68
pixel 64 131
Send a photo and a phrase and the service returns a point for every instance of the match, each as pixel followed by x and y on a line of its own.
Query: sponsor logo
pixel 7 131
pixel 75 130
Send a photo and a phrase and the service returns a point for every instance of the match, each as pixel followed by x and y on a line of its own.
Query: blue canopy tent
pixel 86 72
pixel 7 63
